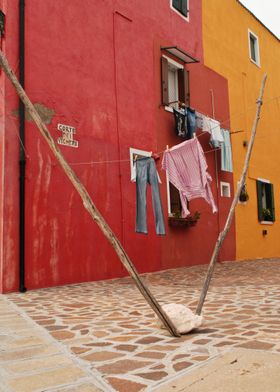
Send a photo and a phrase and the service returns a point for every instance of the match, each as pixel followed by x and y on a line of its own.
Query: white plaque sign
pixel 67 136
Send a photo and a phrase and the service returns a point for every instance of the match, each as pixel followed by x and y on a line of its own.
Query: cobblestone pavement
pixel 104 336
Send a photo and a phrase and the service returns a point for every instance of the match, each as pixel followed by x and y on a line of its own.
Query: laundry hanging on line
pixel 187 171
pixel 213 127
pixel 226 153
pixel 133 171
pixel 219 138
pixel 185 122
pixel 146 173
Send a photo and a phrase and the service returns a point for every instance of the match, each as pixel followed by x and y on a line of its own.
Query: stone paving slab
pixel 238 370
pixel 112 335
pixel 31 360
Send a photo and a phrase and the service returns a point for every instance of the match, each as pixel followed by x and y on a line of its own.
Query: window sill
pixel 168 109
pixel 254 62
pixel 266 223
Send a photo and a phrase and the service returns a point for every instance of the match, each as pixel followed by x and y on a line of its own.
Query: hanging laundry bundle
pixel 187 170
pixel 185 122
pixel 180 123
pixel 226 154
pixel 219 138
pixel 213 127
pixel 146 173
pixel 191 121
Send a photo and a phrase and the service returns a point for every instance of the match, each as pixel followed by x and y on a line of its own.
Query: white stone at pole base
pixel 182 317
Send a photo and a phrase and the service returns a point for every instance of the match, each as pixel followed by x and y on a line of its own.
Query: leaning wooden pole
pixel 87 202
pixel 224 232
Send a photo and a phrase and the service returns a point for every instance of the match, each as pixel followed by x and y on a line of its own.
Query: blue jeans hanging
pixel 146 173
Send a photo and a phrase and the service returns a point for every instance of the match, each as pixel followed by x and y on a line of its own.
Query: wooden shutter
pixel 184 86
pixel 270 196
pixel 164 81
pixel 259 197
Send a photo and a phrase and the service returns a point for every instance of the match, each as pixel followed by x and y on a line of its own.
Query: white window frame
pixel 186 18
pixel 264 222
pixel 257 48
pixel 132 153
pixel 178 66
pixel 227 186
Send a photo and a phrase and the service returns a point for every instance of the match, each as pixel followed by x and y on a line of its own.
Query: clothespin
pixel 155 156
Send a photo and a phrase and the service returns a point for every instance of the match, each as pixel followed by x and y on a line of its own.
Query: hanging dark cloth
pixel 185 122
pixel 180 123
pixel 191 122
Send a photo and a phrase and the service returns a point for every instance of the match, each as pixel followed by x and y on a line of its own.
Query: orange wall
pixel 226 50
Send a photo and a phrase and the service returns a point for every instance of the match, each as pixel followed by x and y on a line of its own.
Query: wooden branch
pixel 87 201
pixel 225 231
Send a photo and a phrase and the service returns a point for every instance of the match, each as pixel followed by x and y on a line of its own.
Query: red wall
pixel 98 68
pixel 9 167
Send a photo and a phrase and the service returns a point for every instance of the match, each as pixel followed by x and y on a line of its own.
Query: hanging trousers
pixel 146 173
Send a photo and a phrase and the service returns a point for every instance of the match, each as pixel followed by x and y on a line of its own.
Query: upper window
pixel 254 51
pixel 265 196
pixel 175 83
pixel 181 6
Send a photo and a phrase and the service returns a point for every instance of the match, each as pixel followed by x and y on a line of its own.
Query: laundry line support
pixel 241 183
pixel 87 201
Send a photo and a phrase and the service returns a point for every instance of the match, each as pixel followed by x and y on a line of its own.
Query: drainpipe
pixel 22 157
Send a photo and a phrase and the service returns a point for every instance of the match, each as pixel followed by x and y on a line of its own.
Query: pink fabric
pixel 187 170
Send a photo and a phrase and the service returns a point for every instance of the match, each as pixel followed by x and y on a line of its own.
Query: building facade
pixel 100 74
pixel 239 47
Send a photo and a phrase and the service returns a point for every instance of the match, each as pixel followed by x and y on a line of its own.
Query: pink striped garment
pixel 187 170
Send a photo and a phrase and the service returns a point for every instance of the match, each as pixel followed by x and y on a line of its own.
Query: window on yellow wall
pixel 254 51
pixel 265 195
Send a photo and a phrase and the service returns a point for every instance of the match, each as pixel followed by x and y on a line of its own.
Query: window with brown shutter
pixel 174 83
pixel 164 81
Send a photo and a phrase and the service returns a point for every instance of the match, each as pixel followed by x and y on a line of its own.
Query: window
pixel 265 196
pixel 181 6
pixel 254 48
pixel 225 189
pixel 175 83
pixel 174 202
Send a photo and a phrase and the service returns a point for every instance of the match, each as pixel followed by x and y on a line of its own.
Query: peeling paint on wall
pixel 45 113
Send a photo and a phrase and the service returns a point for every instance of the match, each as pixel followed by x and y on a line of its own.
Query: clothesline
pixel 200 115
pixel 197 136
pixel 161 152
pixel 240 113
